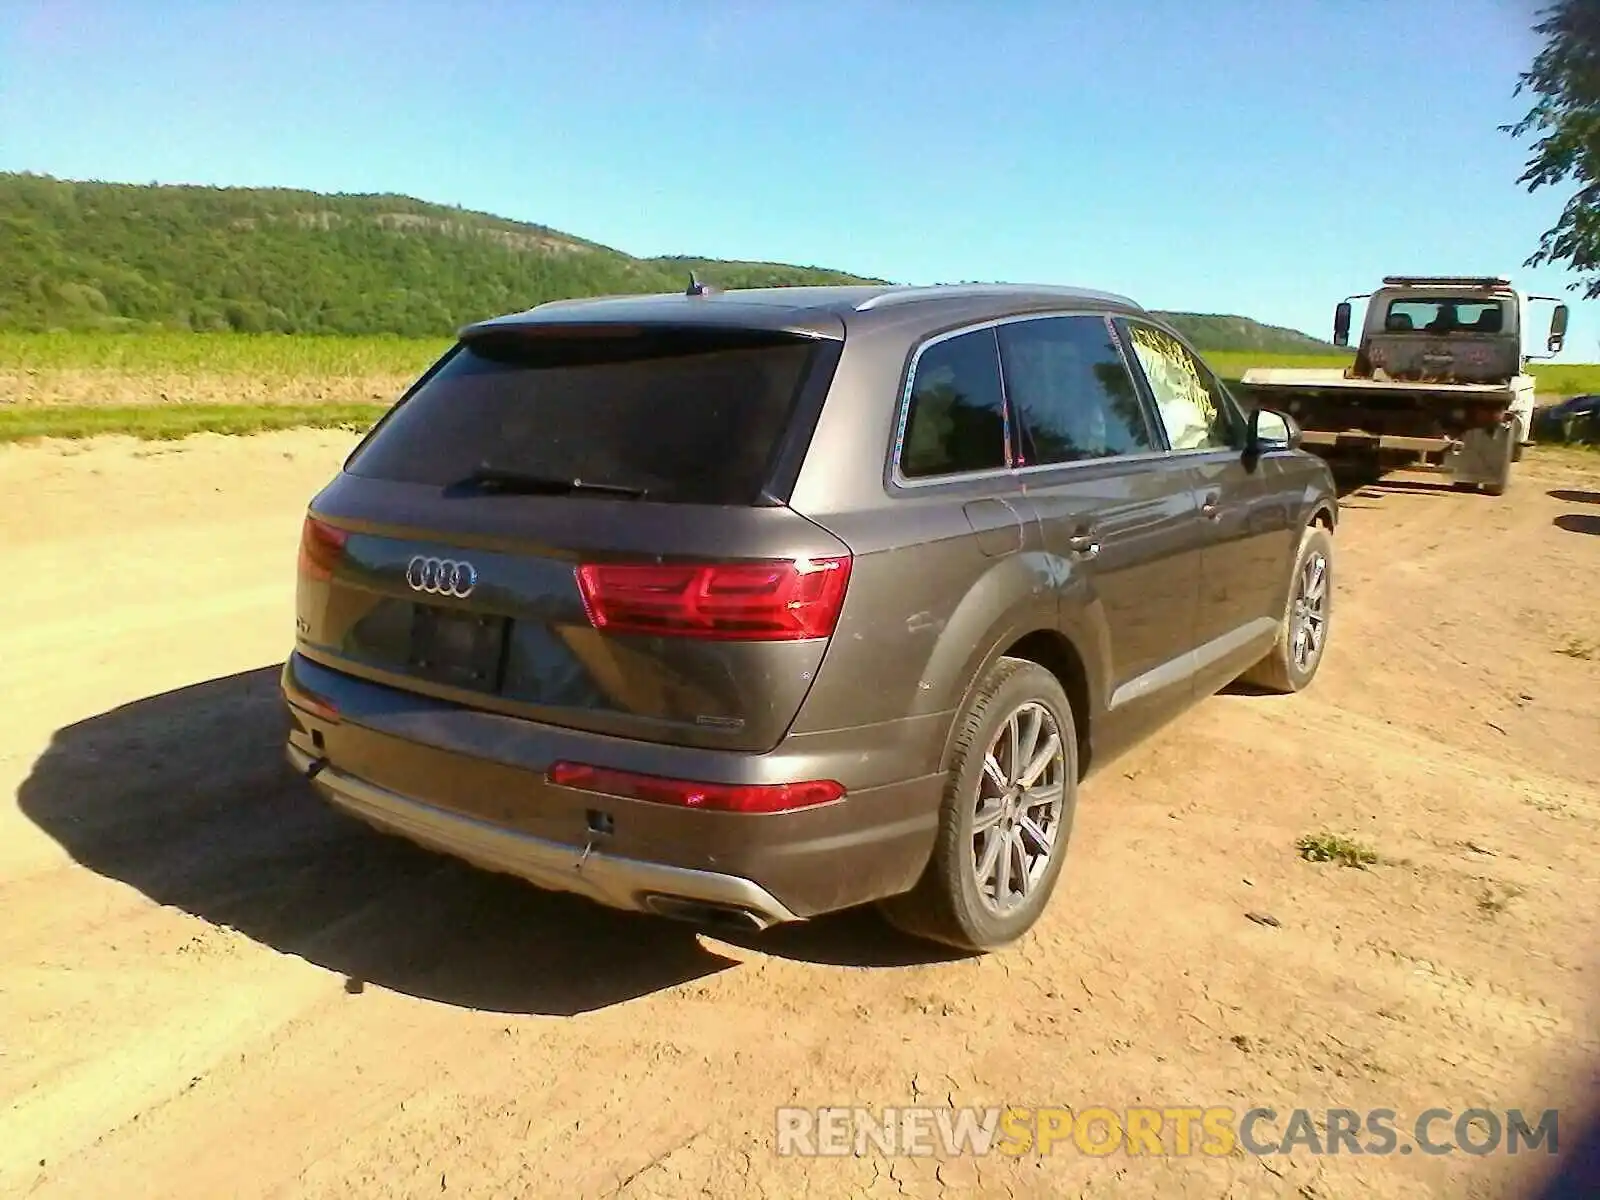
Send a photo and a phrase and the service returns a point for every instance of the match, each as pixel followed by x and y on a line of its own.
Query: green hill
pixel 106 256
pixel 730 273
pixel 1225 334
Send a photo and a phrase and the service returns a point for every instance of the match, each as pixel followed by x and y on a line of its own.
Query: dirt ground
pixel 210 985
pixel 101 387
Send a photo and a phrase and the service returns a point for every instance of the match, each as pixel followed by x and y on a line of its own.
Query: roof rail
pixel 913 294
pixel 1460 281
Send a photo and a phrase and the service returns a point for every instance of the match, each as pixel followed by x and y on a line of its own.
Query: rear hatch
pixel 584 525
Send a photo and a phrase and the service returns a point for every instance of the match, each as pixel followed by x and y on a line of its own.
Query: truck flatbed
pixel 1334 378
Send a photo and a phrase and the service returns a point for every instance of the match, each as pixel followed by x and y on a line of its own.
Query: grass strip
pixel 169 422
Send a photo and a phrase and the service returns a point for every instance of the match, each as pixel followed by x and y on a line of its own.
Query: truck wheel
pixel 1303 626
pixel 1005 819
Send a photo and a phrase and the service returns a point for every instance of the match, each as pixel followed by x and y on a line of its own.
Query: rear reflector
pixel 776 601
pixel 315 705
pixel 321 546
pixel 710 797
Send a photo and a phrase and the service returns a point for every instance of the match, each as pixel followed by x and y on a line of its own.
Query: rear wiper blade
pixel 501 479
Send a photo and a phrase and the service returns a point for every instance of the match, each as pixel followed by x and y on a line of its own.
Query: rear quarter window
pixel 691 416
pixel 955 417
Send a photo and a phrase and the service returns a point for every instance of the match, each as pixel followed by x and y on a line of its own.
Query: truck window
pixel 1194 409
pixel 1445 315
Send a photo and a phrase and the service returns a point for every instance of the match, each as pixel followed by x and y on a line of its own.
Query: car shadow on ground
pixel 1578 523
pixel 1351 485
pixel 186 797
pixel 1354 482
pixel 856 938
pixel 1573 496
pixel 1375 488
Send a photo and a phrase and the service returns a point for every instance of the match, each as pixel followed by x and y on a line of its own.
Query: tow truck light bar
pixel 1456 281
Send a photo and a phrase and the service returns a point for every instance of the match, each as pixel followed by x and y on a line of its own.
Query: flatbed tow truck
pixel 1440 381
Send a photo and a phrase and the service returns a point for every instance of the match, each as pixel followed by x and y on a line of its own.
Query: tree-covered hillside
pixel 726 273
pixel 126 256
pixel 1241 335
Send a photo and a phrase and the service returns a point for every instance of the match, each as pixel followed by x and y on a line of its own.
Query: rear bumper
pixel 1477 456
pixel 616 882
pixel 1374 441
pixel 473 784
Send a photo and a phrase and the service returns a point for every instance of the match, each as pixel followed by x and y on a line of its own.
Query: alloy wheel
pixel 1309 623
pixel 1020 798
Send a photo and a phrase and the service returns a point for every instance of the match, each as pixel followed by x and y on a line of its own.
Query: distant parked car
pixel 745 607
pixel 1577 417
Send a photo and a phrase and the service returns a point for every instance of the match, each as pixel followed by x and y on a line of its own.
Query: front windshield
pixel 1445 315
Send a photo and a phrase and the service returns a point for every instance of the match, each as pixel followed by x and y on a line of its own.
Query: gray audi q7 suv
pixel 744 607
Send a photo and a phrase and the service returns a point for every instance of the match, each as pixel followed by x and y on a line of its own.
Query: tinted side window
pixel 956 418
pixel 1070 390
pixel 1194 409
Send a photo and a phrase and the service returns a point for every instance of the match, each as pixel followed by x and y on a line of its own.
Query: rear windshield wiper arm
pixel 501 479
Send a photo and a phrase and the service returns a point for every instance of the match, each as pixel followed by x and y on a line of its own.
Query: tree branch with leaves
pixel 1565 117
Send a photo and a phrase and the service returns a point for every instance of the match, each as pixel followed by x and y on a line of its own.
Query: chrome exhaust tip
pixel 706 914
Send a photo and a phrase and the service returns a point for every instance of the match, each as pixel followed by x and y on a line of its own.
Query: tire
pixel 948 905
pixel 1283 670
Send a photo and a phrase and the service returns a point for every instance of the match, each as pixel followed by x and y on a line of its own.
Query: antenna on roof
pixel 696 288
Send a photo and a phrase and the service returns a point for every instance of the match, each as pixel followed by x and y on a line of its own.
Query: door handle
pixel 1211 507
pixel 1084 544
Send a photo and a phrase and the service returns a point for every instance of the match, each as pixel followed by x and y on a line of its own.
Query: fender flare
pixel 1026 621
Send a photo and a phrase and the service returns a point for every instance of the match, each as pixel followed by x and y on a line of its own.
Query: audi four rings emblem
pixel 441 576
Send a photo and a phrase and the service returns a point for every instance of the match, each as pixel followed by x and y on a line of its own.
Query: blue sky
pixel 1227 156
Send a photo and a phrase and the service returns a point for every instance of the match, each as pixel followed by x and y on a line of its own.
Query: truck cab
pixel 1445 332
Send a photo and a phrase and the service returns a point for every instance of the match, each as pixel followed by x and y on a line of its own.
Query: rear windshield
pixel 689 416
pixel 1463 315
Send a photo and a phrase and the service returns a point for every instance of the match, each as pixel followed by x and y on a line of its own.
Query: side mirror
pixel 1558 329
pixel 1271 429
pixel 1341 324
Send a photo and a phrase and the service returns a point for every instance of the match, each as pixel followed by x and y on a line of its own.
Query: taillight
pixel 775 601
pixel 320 547
pixel 683 793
